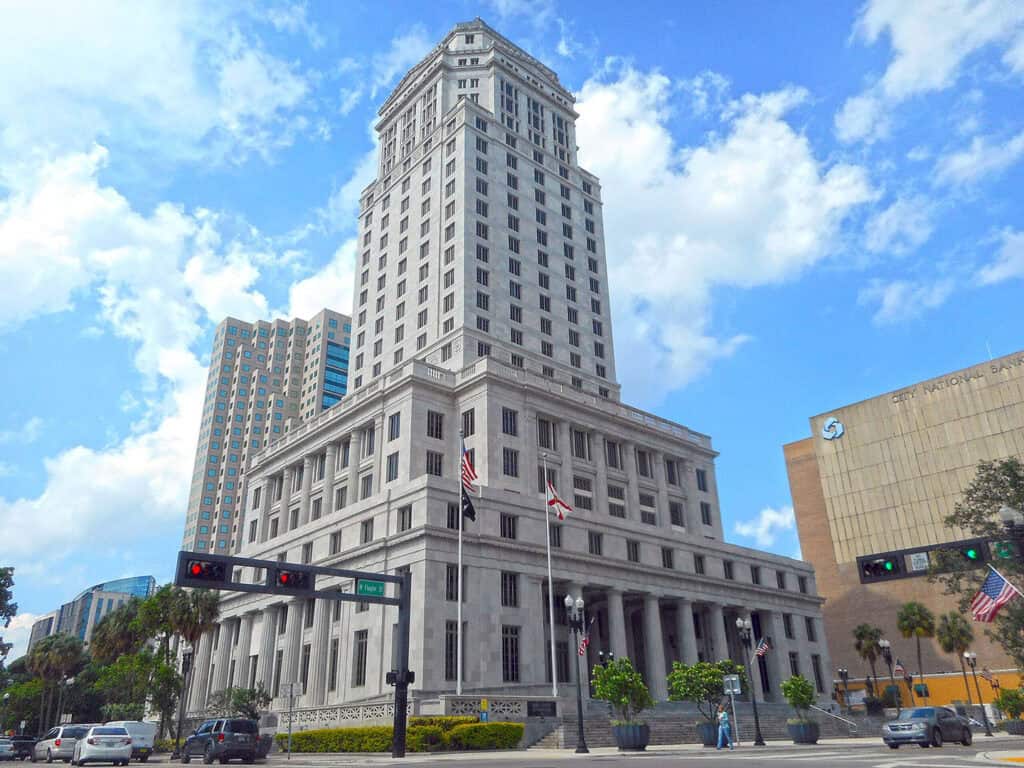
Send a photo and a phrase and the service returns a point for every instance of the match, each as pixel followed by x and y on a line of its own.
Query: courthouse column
pixel 244 651
pixel 685 634
pixel 223 662
pixel 355 453
pixel 616 623
pixel 268 644
pixel 664 519
pixel 284 513
pixel 266 499
pixel 292 642
pixel 317 693
pixel 200 672
pixel 719 643
pixel 654 648
pixel 601 476
pixel 330 460
pixel 633 484
pixel 307 483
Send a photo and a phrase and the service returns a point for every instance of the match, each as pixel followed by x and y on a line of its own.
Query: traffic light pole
pixel 217 572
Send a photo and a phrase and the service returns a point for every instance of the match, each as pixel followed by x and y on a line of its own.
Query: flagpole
pixel 551 587
pixel 458 636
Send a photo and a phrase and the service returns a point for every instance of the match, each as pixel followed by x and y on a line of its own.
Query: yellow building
pixel 871 488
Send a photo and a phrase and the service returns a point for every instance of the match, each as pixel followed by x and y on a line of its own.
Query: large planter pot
pixel 803 733
pixel 633 737
pixel 708 734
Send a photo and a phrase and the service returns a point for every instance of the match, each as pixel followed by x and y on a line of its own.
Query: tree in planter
pixel 799 694
pixel 618 683
pixel 916 621
pixel 702 683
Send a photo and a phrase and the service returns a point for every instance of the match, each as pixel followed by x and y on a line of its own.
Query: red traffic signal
pixel 292 581
pixel 200 572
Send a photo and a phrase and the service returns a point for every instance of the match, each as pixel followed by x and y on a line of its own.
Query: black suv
pixel 223 740
pixel 22 746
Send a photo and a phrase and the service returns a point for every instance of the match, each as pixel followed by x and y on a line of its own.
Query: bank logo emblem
pixel 833 428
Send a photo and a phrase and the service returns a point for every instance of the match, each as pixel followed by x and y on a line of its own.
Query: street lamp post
pixel 746 631
pixel 577 626
pixel 886 648
pixel 1013 521
pixel 844 675
pixel 7 698
pixel 972 661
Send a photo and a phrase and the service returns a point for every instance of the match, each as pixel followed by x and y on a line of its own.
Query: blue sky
pixel 806 204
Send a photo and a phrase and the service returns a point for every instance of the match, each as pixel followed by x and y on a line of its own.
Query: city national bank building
pixel 482 306
pixel 872 486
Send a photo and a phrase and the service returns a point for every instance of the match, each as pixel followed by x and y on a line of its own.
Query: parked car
pixel 6 749
pixel 103 743
pixel 23 746
pixel 927 727
pixel 223 740
pixel 142 734
pixel 58 743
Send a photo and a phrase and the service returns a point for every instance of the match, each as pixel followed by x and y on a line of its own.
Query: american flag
pixel 899 670
pixel 584 643
pixel 986 674
pixel 556 505
pixel 995 592
pixel 469 477
pixel 763 647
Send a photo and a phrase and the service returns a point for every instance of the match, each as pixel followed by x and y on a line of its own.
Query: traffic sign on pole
pixel 367 588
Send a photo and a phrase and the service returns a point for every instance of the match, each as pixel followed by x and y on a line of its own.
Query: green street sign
pixel 366 588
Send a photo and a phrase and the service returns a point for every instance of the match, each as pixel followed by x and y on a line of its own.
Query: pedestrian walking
pixel 724 730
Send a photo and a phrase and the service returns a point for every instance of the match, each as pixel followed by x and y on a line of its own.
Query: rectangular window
pixel 392 468
pixel 787 626
pixel 509 526
pixel 702 480
pixel 633 551
pixel 366 531
pixel 755 574
pixel 676 513
pixel 307 552
pixel 340 497
pixel 705 513
pixel 335 543
pixel 812 636
pixel 802 582
pixel 727 570
pixel 468 423
pixel 668 558
pixel 405 518
pixel 510 462
pixel 546 434
pixel 454 516
pixel 434 463
pixel 366 486
pixel 698 564
pixel 451 582
pixel 780 579
pixel 509 654
pixel 794 663
pixel 509 589
pixel 435 425
pixel 613 454
pixel 451 649
pixel 359 646
pixel 509 421
pixel 819 682
pixel 594 542
pixel 555 536
pixel 332 669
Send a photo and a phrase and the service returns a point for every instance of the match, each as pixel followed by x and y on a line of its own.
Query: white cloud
pixel 27 433
pixel 982 159
pixel 768 525
pixel 752 206
pixel 294 18
pixel 902 300
pixel 930 40
pixel 332 286
pixel 919 153
pixel 405 51
pixel 902 227
pixel 18 634
pixel 1009 262
pixel 181 80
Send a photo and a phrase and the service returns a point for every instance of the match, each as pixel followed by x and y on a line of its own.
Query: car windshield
pixel 73 733
pixel 109 731
pixel 241 726
pixel 921 713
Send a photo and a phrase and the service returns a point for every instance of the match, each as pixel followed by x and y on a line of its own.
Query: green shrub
pixel 485 736
pixel 424 738
pixel 163 745
pixel 1011 702
pixel 444 722
pixel 462 733
pixel 799 692
pixel 623 688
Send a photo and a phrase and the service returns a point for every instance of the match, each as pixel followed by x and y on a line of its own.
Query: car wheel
pixel 923 744
pixel 208 755
pixel 223 761
pixel 894 746
pixel 936 738
pixel 186 758
pixel 49 756
pixel 144 758
pixel 967 737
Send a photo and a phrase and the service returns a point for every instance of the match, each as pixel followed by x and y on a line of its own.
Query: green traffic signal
pixel 889 565
pixel 971 553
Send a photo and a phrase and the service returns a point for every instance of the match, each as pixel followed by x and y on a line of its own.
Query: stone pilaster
pixel 719 643
pixel 616 623
pixel 686 637
pixel 307 484
pixel 654 648
pixel 268 645
pixel 319 653
pixel 244 651
pixel 200 672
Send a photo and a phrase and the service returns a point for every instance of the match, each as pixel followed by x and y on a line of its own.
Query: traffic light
pixel 974 553
pixel 202 572
pixel 1004 550
pixel 877 568
pixel 290 580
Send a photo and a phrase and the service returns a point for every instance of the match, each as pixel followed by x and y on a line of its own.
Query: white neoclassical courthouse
pixel 482 305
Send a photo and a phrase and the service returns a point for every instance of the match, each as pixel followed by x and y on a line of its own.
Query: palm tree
pixel 865 642
pixel 120 632
pixel 955 636
pixel 52 659
pixel 193 612
pixel 916 621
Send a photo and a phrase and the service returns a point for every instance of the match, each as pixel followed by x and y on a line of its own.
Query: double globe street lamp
pixel 746 631
pixel 577 627
pixel 844 676
pixel 972 660
pixel 886 648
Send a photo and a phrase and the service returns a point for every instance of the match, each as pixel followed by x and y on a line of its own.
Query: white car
pixel 103 744
pixel 142 734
